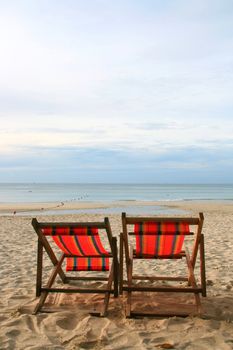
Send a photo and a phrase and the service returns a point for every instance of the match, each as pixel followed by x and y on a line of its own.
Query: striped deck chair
pixel 82 250
pixel 162 238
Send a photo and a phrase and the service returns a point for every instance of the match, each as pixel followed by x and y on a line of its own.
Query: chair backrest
pixel 80 242
pixel 160 237
pixel 76 241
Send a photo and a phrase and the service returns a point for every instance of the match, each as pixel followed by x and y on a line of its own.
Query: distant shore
pixel 75 207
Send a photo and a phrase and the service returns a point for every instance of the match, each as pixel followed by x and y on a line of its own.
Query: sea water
pixel 51 192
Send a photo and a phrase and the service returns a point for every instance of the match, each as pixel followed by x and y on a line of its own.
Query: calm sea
pixel 35 192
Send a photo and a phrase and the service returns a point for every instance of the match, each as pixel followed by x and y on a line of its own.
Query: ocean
pixel 51 192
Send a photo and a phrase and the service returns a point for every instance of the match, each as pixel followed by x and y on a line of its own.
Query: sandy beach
pixel 68 325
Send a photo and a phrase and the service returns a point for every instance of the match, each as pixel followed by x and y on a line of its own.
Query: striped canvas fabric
pixel 159 239
pixel 79 243
pixel 159 228
pixel 69 230
pixel 87 264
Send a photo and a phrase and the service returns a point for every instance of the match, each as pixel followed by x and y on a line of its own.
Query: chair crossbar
pixel 86 278
pixel 175 256
pixel 159 278
pixel 135 220
pixel 164 234
pixel 137 314
pixel 100 225
pixel 76 290
pixel 89 256
pixel 162 289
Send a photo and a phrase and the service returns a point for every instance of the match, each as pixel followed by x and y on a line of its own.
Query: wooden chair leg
pixel 121 264
pixel 51 280
pixel 41 302
pixel 129 292
pixel 115 267
pixel 193 282
pixel 39 268
pixel 202 266
pixel 107 295
pixel 52 256
pixel 104 310
pixel 130 278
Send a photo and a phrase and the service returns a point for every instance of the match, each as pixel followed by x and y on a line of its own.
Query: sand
pixel 68 325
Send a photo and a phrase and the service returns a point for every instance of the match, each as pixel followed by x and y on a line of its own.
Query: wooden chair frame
pixel 43 244
pixel 129 287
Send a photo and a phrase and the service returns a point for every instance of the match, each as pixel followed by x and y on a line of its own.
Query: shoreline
pixel 75 207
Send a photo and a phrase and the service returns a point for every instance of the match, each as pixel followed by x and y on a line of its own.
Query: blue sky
pixel 116 91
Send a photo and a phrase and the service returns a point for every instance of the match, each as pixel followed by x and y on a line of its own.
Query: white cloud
pixel 127 76
pixel 130 136
pixel 102 61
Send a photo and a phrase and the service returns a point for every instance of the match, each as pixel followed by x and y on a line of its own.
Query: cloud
pixel 154 137
pixel 100 165
pixel 100 60
pixel 139 82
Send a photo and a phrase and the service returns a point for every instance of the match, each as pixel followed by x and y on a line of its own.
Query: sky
pixel 125 91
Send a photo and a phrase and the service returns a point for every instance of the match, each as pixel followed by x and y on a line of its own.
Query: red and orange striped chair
pixel 83 250
pixel 161 238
